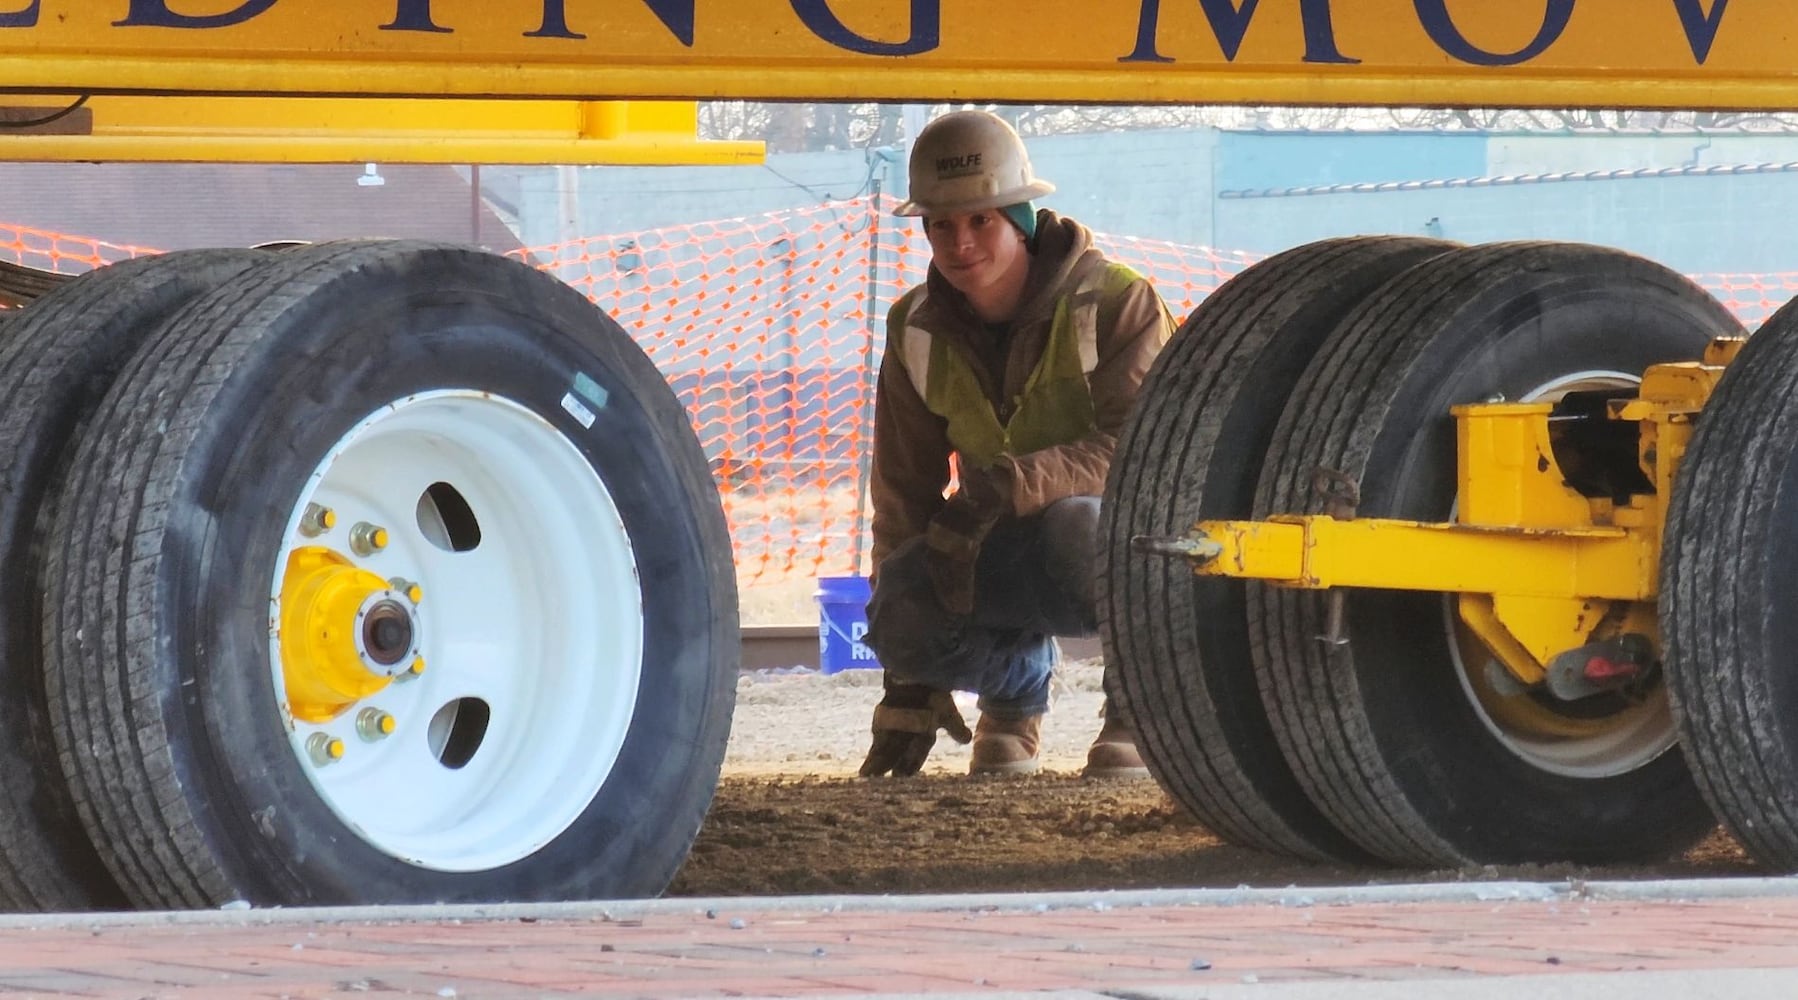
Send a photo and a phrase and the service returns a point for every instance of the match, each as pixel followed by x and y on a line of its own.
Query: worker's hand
pixel 955 534
pixel 953 539
pixel 989 488
pixel 905 727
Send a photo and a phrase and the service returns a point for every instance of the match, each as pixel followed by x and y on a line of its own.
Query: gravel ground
pixel 791 817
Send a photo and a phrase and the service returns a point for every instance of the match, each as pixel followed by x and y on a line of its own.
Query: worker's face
pixel 977 251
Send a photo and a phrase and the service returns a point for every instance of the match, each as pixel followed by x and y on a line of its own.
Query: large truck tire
pixel 392 572
pixel 1399 735
pixel 56 359
pixel 1178 644
pixel 1728 580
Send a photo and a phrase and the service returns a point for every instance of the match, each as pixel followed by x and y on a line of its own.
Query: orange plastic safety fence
pixel 770 329
pixel 1752 297
pixel 56 252
pixel 59 252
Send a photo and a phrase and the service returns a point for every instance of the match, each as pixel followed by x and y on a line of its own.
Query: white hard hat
pixel 966 161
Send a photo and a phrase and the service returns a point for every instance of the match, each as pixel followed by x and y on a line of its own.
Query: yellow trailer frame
pixel 548 60
pixel 1624 53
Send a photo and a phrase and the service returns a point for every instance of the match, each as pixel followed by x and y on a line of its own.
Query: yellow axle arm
pixel 1318 551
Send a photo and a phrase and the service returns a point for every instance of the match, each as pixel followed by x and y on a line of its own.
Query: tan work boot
pixel 1113 754
pixel 1006 746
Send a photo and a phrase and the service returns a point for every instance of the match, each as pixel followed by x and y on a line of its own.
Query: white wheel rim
pixel 1628 739
pixel 541 621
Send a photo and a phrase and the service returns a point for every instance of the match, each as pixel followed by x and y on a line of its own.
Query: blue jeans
pixel 1034 580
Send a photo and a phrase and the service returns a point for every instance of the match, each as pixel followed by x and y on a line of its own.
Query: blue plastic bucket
pixel 843 624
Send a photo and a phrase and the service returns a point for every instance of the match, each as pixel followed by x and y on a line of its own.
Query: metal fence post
pixel 869 367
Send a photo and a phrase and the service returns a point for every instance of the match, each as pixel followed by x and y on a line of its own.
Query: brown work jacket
pixel 910 466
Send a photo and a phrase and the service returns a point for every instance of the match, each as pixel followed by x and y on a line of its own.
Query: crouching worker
pixel 1020 355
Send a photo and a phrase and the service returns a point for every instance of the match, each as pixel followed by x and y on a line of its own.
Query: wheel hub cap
pixel 387 632
pixel 345 634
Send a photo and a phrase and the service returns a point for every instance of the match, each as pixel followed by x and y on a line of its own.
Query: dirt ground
pixel 792 818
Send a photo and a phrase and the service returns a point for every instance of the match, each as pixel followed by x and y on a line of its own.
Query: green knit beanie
pixel 1023 216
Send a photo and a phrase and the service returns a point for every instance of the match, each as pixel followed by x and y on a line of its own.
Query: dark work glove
pixel 955 534
pixel 989 489
pixel 905 726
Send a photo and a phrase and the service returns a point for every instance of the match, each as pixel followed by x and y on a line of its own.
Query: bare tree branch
pixel 796 127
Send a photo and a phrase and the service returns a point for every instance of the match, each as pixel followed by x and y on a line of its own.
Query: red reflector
pixel 1600 669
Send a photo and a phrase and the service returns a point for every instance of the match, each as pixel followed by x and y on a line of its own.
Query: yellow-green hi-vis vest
pixel 1056 406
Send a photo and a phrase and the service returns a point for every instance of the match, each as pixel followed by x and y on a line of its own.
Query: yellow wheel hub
pixel 345 633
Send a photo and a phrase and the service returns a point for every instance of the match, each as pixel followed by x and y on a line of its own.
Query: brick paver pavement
pixel 1135 944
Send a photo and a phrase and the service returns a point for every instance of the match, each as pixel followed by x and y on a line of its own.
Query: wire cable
pixel 48 119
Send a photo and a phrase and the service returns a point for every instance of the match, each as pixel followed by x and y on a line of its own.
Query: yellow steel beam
pixel 1638 53
pixel 345 130
pixel 1316 552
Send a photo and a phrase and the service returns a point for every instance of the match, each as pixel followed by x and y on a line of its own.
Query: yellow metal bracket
pixel 1670 399
pixel 1539 568
pixel 356 130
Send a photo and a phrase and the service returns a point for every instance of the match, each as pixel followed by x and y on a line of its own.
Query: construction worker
pixel 1020 356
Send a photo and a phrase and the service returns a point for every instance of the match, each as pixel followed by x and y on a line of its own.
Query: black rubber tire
pixel 157 596
pixel 1178 644
pixel 56 359
pixel 1382 733
pixel 1728 578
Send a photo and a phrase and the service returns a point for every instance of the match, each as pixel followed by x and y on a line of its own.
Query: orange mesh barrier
pixel 58 252
pixel 763 327
pixel 46 251
pixel 770 328
pixel 1752 297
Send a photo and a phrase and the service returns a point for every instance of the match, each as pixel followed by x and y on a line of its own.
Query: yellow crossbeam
pixel 354 130
pixel 1316 552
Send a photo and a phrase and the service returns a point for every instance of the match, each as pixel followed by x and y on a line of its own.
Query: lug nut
pixel 367 539
pixel 317 520
pixel 372 724
pixel 417 668
pixel 413 591
pixel 324 749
